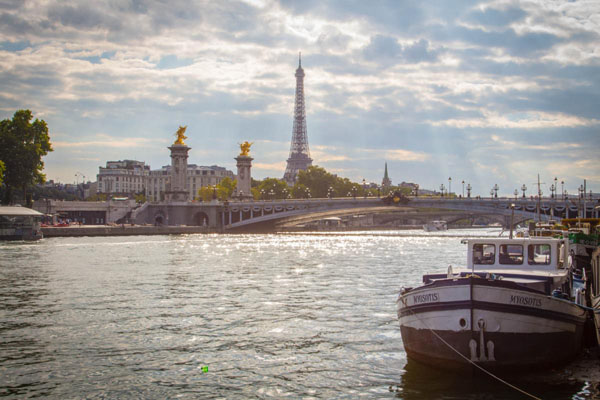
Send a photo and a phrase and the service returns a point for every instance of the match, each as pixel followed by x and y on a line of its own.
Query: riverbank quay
pixel 122 230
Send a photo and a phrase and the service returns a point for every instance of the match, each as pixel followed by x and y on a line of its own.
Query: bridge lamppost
pixel 365 187
pixel 469 190
pixel 496 190
pixel 562 189
pixel 449 186
pixel 262 194
pixel 516 193
pixel 552 189
pixel 417 190
pixel 523 188
pixel 272 194
pixel 285 194
pixel 581 192
pixel 463 189
pixel 555 187
pixel 442 187
pixel 330 192
pixel 354 190
pixel 492 193
pixel 307 192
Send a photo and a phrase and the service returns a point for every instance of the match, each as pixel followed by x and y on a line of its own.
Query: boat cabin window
pixel 511 254
pixel 484 254
pixel 538 254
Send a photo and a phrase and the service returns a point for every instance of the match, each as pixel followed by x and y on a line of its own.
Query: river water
pixel 224 316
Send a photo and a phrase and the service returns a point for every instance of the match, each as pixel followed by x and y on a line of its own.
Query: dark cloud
pixel 386 49
pixel 82 16
pixel 12 25
pixel 528 45
pixel 494 17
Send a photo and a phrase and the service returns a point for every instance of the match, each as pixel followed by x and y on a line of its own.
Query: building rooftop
pixel 17 211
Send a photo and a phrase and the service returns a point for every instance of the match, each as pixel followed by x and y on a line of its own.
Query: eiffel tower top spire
pixel 299 158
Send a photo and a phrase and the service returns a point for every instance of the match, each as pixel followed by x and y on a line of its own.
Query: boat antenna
pixel 512 216
pixel 539 200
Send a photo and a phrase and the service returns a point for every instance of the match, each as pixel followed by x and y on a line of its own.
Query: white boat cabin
pixel 522 254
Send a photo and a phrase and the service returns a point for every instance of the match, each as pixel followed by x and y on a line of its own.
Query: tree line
pixel 315 182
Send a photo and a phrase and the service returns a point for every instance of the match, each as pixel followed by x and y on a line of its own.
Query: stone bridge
pixel 270 215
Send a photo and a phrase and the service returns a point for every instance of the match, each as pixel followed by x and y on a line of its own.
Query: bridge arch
pixel 160 219
pixel 200 219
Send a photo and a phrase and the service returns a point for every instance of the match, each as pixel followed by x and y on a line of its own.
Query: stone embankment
pixel 122 230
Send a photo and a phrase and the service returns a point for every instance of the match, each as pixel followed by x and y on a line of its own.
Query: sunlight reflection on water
pixel 296 315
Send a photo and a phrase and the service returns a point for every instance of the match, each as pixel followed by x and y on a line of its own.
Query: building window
pixel 484 254
pixel 511 254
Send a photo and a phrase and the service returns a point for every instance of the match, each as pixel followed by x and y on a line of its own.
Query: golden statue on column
pixel 180 135
pixel 245 148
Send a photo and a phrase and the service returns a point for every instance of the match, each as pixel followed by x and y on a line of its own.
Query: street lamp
pixel 516 193
pixel 330 192
pixel 307 191
pixel 442 187
pixel 581 191
pixel 463 188
pixel 562 189
pixel 469 190
pixel 417 190
pixel 262 194
pixel 492 193
pixel 496 190
pixel 449 186
pixel 285 194
pixel 552 188
pixel 354 192
pixel 523 188
pixel 272 194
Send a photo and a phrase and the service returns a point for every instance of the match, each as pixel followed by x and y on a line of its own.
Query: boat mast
pixel 539 199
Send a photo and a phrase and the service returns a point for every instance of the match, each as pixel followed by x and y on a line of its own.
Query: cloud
pixel 103 140
pixel 387 50
pixel 451 85
pixel 493 17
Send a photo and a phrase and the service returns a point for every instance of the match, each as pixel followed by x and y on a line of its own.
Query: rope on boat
pixel 466 358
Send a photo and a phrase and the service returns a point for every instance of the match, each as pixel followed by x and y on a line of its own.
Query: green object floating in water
pixel 205 369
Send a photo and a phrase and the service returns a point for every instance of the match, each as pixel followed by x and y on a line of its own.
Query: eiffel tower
pixel 299 158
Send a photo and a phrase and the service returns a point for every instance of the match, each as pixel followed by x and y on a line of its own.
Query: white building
pixel 126 177
pixel 197 177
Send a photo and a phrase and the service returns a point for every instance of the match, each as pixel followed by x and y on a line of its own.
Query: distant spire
pixel 299 59
pixel 386 179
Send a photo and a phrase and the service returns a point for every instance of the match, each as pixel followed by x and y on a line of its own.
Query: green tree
pixel 205 193
pixel 300 191
pixel 225 188
pixel 272 188
pixel 140 197
pixel 22 146
pixel 318 180
pixel 1 172
pixel 97 197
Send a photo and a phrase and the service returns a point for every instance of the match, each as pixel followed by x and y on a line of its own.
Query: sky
pixel 485 92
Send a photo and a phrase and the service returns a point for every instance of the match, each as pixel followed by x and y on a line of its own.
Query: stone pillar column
pixel 244 165
pixel 179 186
